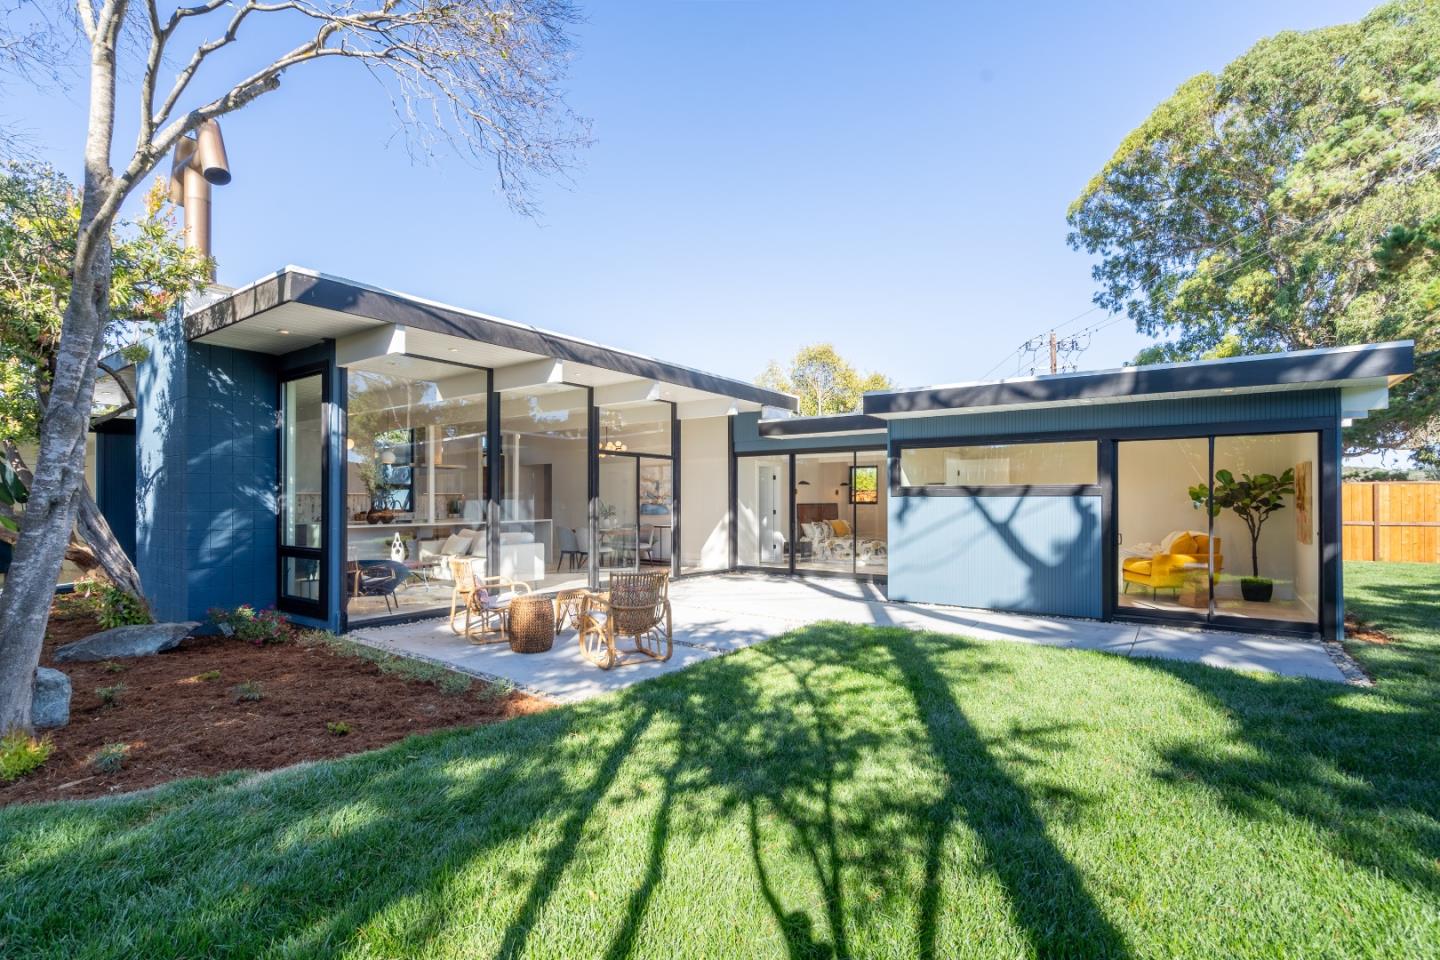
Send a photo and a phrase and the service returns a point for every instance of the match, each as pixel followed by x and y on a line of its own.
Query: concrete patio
pixel 720 614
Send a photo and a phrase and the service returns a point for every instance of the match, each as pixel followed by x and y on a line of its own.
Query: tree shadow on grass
pixel 1045 891
pixel 392 848
pixel 1362 767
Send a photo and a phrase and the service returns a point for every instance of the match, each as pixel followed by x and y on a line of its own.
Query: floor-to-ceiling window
pixel 301 553
pixel 544 537
pixel 1219 528
pixel 636 511
pixel 839 512
pixel 762 504
pixel 416 463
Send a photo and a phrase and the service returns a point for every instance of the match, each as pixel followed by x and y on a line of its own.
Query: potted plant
pixel 1254 499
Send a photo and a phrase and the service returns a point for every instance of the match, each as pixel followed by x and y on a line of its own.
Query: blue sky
pixel 892 178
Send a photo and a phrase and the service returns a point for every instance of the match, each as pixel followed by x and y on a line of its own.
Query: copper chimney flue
pixel 199 162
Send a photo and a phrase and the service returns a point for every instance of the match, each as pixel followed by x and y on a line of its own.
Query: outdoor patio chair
pixel 380 578
pixel 636 605
pixel 483 599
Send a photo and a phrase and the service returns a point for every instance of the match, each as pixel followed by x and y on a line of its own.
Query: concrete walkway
pixel 720 614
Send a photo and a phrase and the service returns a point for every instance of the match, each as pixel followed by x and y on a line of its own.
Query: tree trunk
pixel 93 530
pixel 59 472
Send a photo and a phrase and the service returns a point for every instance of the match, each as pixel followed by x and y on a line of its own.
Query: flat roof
pixel 236 317
pixel 1363 365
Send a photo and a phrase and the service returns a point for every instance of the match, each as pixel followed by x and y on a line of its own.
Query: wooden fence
pixel 1396 520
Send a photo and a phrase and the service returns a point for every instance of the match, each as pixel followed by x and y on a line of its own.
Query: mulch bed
pixel 178 725
pixel 1355 630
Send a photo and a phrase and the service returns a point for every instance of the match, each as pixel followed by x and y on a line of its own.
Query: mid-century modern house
pixel 297 432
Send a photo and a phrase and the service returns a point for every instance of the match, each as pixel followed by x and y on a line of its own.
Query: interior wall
pixel 704 494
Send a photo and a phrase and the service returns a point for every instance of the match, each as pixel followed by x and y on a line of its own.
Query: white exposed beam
pixel 630 391
pixel 531 374
pixel 463 385
pixel 369 344
pixel 1357 402
pixel 718 407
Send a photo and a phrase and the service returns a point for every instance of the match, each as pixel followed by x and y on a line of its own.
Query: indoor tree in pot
pixel 1254 499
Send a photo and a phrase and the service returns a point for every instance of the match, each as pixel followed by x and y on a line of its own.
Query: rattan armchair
pixel 483 599
pixel 637 605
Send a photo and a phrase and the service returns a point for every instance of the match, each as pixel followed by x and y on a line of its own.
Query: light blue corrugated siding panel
pixel 1277 405
pixel 1030 554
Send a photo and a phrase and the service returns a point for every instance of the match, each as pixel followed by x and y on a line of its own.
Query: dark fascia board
pixel 822 426
pixel 1389 361
pixel 329 293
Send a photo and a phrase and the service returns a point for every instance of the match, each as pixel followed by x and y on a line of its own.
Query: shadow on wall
pixel 206 453
pixel 1024 554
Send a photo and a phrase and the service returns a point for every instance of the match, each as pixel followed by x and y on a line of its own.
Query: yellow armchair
pixel 1165 570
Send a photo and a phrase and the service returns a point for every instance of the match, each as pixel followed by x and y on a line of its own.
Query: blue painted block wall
pixel 205 477
pixel 1028 554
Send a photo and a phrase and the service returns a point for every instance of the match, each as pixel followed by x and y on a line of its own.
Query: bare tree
pixel 482 75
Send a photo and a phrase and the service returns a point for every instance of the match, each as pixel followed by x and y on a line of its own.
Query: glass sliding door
pixel 824 516
pixel 762 502
pixel 637 494
pixel 1221 529
pixel 302 541
pixel 1163 533
pixel 619 520
pixel 416 468
pixel 1265 513
pixel 544 535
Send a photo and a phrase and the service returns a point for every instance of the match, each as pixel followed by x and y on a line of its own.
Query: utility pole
pixel 1054 366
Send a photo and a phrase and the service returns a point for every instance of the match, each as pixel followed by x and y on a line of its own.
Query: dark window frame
pixel 318 608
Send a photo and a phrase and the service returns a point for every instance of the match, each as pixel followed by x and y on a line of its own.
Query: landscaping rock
pixel 51 707
pixel 136 641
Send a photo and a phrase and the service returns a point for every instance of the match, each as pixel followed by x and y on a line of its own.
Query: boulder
pixel 51 707
pixel 137 641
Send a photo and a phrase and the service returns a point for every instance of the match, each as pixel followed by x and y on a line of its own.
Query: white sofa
pixel 521 556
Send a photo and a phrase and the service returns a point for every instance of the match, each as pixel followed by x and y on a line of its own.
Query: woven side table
pixel 532 624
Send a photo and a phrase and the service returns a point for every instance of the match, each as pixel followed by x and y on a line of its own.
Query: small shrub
pixel 111 666
pixel 338 727
pixel 498 690
pixel 209 676
pixel 21 753
pixel 248 692
pixel 253 626
pixel 453 683
pixel 110 696
pixel 116 608
pixel 110 757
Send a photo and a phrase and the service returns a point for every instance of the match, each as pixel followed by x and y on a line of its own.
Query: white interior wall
pixel 704 494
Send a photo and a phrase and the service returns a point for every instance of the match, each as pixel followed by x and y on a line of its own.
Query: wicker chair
pixel 637 605
pixel 484 599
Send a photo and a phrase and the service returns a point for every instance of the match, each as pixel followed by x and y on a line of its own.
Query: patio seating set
pixel 633 607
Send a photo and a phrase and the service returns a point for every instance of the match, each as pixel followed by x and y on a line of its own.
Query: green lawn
pixel 837 792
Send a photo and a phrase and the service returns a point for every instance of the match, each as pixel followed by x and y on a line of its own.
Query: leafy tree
pixel 152 273
pixel 1252 498
pixel 481 75
pixel 1288 203
pixel 823 380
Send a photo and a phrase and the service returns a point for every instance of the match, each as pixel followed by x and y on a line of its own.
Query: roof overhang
pixel 1364 373
pixel 381 329
pixel 833 425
